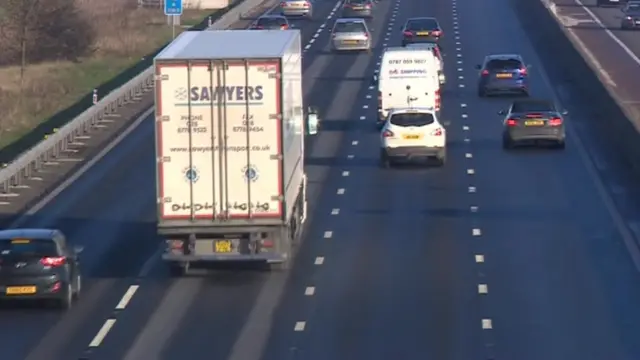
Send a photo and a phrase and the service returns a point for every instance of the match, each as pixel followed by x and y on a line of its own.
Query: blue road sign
pixel 173 7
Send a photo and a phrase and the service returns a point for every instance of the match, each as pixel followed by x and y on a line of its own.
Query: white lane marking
pixel 328 234
pixel 464 116
pixel 299 326
pixel 458 43
pixel 468 155
pixel 479 258
pixel 307 47
pixel 487 324
pixel 458 49
pixel 465 128
pixel 316 35
pixel 483 289
pixel 369 96
pixel 371 87
pixel 354 142
pixel 476 232
pixel 467 140
pixel 473 208
pixel 345 173
pixel 461 85
pixel 463 105
pixel 459 55
pixel 350 156
pixel 102 333
pixel 363 117
pixel 341 191
pixel 472 189
pixel 126 298
pixel 471 171
pixel 335 211
pixel 310 291
pixel 319 260
pixel 459 69
pixel 460 77
pixel 312 41
pixel 365 106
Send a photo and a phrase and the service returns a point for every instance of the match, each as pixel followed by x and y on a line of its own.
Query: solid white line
pixel 102 333
pixel 128 295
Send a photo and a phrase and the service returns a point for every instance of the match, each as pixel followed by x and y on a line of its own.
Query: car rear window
pixel 357 1
pixel 271 21
pixel 28 248
pixel 349 27
pixel 421 24
pixel 633 7
pixel 532 106
pixel 412 119
pixel 504 64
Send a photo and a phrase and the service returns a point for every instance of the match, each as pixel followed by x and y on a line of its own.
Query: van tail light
pixel 485 72
pixel 284 27
pixel 407 34
pixel 438 100
pixel 437 132
pixel 388 134
pixel 266 243
pixel 175 245
pixel 53 261
pixel 523 71
pixel 512 122
pixel 555 121
pixel 436 33
pixel 307 4
pixel 368 6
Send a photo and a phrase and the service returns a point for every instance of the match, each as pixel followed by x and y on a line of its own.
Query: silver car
pixel 350 34
pixel 297 8
pixel 358 8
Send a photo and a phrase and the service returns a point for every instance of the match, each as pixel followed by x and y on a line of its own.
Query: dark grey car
pixel 533 121
pixel 357 8
pixel 630 16
pixel 39 264
pixel 271 22
pixel 503 74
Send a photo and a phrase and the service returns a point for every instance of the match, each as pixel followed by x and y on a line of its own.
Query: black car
pixel 630 16
pixel 421 29
pixel 537 121
pixel 39 264
pixel 503 74
pixel 271 22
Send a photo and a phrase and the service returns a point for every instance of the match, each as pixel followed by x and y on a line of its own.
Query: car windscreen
pixel 421 24
pixel 633 8
pixel 532 106
pixel 504 64
pixel 276 22
pixel 349 27
pixel 412 119
pixel 27 248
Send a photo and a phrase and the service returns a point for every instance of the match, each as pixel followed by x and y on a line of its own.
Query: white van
pixel 408 78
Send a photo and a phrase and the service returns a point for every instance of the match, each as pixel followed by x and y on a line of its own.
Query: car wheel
pixel 178 269
pixel 66 298
pixel 507 143
pixel 385 162
pixel 310 16
pixel 442 158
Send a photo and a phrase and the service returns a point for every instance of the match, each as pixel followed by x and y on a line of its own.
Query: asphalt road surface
pixel 523 255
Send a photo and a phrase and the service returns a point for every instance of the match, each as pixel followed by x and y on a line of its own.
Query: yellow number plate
pixel 349 41
pixel 533 123
pixel 223 246
pixel 412 137
pixel 21 290
pixel 422 33
pixel 504 76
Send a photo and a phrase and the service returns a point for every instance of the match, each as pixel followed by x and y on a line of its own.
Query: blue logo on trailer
pixel 191 175
pixel 250 173
pixel 173 7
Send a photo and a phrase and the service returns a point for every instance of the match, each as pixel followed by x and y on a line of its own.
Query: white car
pixel 412 134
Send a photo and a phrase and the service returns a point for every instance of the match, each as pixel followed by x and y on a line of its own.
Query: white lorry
pixel 230 134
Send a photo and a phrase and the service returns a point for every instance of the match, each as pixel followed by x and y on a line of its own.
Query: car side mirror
pixel 564 112
pixel 478 67
pixel 313 122
pixel 502 112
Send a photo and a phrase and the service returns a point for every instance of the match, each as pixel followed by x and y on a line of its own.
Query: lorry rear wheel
pixel 178 270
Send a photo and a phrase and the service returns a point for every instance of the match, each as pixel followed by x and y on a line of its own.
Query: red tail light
pixel 307 4
pixel 438 100
pixel 485 72
pixel 368 6
pixel 555 122
pixel 436 33
pixel 523 71
pixel 512 122
pixel 436 51
pixel 437 132
pixel 283 4
pixel 53 261
pixel 366 36
pixel 388 134
pixel 175 244
pixel 284 27
pixel 407 34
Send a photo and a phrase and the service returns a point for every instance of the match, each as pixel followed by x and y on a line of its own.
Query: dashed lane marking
pixel 335 211
pixel 341 191
pixel 483 289
pixel 472 189
pixel 468 155
pixel 126 298
pixel 300 325
pixel 471 171
pixel 102 333
pixel 345 173
pixel 473 208
pixel 487 324
pixel 310 291
pixel 476 232
pixel 479 258
pixel 319 260
pixel 328 234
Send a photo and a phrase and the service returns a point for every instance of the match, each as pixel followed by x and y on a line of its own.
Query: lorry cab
pixel 408 78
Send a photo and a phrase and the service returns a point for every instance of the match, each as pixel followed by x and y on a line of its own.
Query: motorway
pixel 499 255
